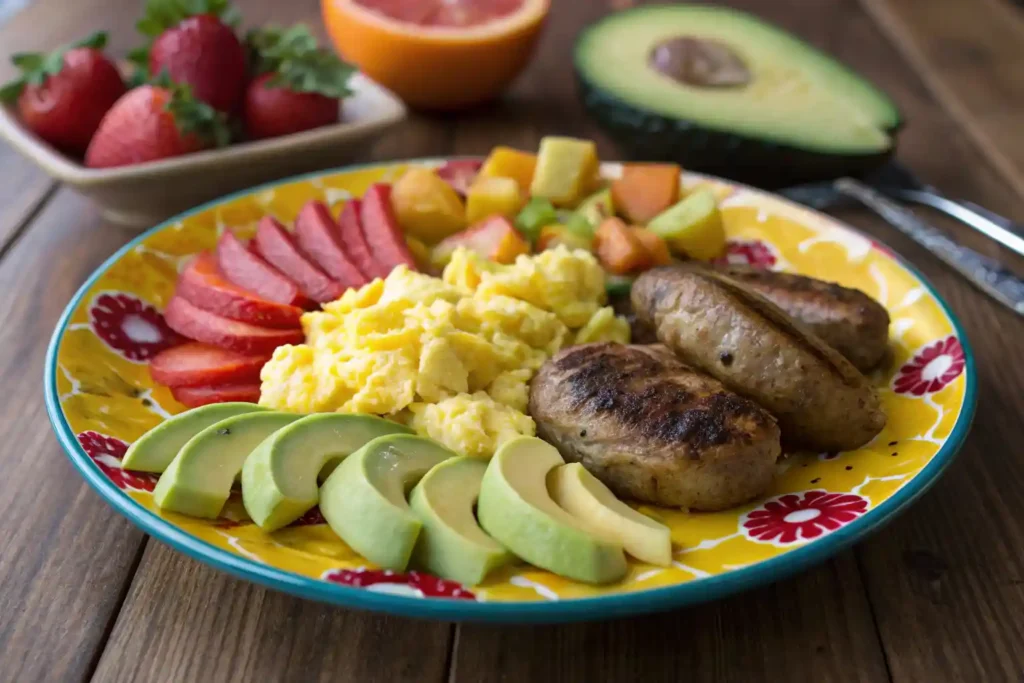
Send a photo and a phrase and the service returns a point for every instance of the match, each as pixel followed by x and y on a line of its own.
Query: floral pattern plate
pixel 100 397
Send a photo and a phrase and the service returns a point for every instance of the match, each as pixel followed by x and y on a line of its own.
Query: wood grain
pixel 66 555
pixel 936 596
pixel 809 628
pixel 23 191
pixel 969 54
pixel 183 621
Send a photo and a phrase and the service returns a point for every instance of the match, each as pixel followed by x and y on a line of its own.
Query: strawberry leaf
pixel 9 92
pixel 194 117
pixel 160 15
pixel 36 67
pixel 297 62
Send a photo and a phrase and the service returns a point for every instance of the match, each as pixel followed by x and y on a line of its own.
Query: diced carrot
pixel 654 244
pixel 618 249
pixel 645 190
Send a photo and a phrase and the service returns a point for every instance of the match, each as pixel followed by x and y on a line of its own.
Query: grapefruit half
pixel 437 54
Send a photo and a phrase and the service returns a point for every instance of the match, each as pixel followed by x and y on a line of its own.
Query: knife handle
pixel 984 273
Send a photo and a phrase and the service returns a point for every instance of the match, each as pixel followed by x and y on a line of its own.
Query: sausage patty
pixel 653 429
pixel 848 320
pixel 715 324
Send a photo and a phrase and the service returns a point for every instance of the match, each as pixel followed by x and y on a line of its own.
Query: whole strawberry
pixel 193 44
pixel 155 122
pixel 299 86
pixel 62 96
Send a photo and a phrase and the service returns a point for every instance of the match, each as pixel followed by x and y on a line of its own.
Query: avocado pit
pixel 699 62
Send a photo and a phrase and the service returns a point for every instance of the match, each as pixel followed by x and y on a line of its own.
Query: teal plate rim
pixel 564 610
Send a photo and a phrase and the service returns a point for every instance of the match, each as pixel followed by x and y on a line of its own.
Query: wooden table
pixel 936 596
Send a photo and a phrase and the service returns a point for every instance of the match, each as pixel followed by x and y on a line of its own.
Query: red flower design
pixel 931 368
pixel 410 583
pixel 106 452
pixel 795 517
pixel 134 329
pixel 754 253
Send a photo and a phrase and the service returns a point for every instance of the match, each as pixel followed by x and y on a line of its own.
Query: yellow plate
pixel 100 397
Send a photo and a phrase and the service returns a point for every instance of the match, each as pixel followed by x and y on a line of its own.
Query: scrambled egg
pixel 451 356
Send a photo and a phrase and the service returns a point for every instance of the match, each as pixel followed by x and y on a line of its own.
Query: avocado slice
pixel 364 501
pixel 586 498
pixel 154 450
pixel 724 92
pixel 451 544
pixel 517 510
pixel 279 478
pixel 198 481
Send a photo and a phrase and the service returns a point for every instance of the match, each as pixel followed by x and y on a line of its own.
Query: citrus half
pixel 437 54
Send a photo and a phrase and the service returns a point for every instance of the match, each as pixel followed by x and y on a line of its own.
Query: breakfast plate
pixel 101 398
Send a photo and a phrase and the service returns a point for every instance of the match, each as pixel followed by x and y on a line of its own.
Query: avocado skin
pixel 652 137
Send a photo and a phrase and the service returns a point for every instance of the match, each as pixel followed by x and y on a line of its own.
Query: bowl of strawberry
pixel 198 111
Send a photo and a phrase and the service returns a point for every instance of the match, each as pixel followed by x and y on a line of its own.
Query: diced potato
pixel 693 226
pixel 492 197
pixel 565 170
pixel 505 162
pixel 426 206
pixel 420 252
pixel 553 235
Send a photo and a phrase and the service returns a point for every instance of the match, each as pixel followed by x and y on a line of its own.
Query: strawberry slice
pixel 380 228
pixel 355 242
pixel 195 323
pixel 193 397
pixel 459 173
pixel 202 285
pixel 196 364
pixel 277 246
pixel 247 270
pixel 320 238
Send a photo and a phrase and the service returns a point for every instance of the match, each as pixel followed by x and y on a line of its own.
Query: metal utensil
pixel 897 181
pixel 984 273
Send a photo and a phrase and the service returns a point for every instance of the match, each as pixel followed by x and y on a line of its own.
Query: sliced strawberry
pixel 202 284
pixel 196 364
pixel 320 238
pixel 278 247
pixel 380 228
pixel 193 397
pixel 195 323
pixel 249 271
pixel 460 173
pixel 354 241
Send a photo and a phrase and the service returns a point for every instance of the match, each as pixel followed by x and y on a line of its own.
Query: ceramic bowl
pixel 145 194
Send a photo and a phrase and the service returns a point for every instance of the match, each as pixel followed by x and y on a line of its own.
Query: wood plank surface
pixel 936 596
pixel 969 54
pixel 183 621
pixel 67 556
pixel 814 627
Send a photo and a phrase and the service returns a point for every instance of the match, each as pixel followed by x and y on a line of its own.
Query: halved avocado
pixel 724 92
